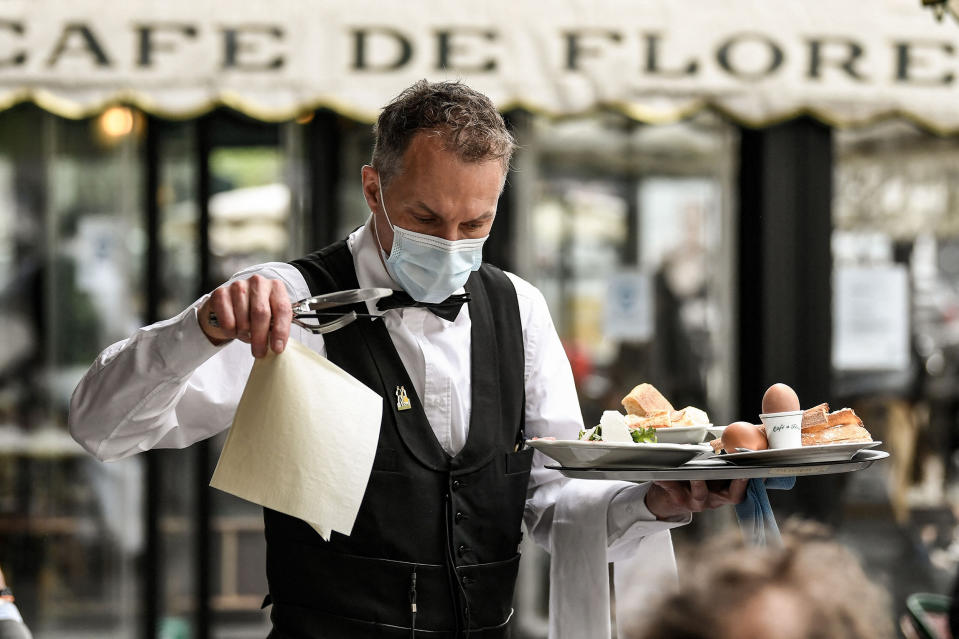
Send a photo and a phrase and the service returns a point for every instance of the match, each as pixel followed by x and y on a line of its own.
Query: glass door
pixel 254 217
pixel 630 238
pixel 72 244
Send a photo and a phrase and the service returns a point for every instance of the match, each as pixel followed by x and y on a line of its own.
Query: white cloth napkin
pixel 579 606
pixel 303 440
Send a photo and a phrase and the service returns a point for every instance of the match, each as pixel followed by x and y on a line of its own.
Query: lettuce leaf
pixel 643 435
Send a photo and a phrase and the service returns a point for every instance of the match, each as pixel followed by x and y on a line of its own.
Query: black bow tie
pixel 448 309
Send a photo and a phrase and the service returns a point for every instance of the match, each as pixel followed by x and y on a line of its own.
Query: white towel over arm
pixel 594 523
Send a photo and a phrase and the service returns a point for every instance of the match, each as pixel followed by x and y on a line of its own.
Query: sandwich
pixel 645 401
pixel 655 420
pixel 646 411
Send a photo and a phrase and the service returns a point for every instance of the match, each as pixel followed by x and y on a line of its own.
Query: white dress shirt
pixel 9 612
pixel 167 386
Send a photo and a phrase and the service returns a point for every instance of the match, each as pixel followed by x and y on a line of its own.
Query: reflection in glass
pixel 629 245
pixel 72 243
pixel 253 219
pixel 179 283
pixel 896 235
pixel 249 209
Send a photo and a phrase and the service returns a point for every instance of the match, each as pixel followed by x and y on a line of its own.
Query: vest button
pixel 459 517
pixel 455 485
pixel 462 550
pixel 467 581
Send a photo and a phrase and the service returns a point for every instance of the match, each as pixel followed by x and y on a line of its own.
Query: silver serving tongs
pixel 312 308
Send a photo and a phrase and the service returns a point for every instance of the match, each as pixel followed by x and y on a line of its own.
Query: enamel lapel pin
pixel 402 400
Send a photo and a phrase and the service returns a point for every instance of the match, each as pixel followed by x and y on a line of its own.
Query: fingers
pixel 734 493
pixel 255 310
pixel 675 490
pixel 662 499
pixel 240 300
pixel 698 491
pixel 686 496
pixel 220 306
pixel 261 313
pixel 737 490
pixel 694 496
pixel 282 315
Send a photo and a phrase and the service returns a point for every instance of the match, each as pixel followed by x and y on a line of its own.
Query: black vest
pixel 435 534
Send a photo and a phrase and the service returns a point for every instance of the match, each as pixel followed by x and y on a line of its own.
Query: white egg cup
pixel 783 430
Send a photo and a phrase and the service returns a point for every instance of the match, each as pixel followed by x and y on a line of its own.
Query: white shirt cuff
pixel 185 345
pixel 9 612
pixel 628 519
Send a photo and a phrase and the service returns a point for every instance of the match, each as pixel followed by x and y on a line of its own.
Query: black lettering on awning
pixel 725 58
pixel 575 47
pixel 817 59
pixel 17 58
pixel 653 62
pixel 89 46
pixel 239 40
pixel 906 61
pixel 449 45
pixel 147 44
pixel 360 42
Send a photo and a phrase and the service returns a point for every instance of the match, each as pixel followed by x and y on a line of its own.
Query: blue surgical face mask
pixel 429 268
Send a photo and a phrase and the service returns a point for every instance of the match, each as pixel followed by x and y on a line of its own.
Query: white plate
pixel 681 434
pixel 801 455
pixel 577 454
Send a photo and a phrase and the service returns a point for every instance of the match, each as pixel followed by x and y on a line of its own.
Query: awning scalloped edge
pixel 75 110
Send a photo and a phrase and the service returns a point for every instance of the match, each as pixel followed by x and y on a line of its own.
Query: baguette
pixel 815 418
pixel 656 420
pixel 840 434
pixel 844 416
pixel 644 400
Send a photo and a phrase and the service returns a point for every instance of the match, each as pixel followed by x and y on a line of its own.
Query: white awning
pixel 845 62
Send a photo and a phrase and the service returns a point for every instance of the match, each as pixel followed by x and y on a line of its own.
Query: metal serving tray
pixel 715 468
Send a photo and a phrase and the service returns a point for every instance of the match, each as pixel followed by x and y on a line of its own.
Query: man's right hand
pixel 255 310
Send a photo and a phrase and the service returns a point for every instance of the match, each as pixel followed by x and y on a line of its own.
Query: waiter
pixel 468 363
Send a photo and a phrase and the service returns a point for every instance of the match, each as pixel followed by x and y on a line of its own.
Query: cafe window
pixel 72 245
pixel 629 240
pixel 895 251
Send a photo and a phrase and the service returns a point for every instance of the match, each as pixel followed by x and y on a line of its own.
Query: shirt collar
pixel 370 271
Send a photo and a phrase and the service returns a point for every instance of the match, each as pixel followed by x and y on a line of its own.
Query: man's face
pixel 436 194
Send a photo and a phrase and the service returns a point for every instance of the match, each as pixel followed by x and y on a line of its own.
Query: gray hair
pixel 466 121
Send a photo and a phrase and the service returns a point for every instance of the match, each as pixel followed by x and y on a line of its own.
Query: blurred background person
pixel 810 588
pixel 11 623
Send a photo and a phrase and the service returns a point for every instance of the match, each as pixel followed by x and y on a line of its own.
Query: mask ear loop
pixel 376 231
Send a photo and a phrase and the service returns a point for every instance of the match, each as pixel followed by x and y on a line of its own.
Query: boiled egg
pixel 744 435
pixel 780 398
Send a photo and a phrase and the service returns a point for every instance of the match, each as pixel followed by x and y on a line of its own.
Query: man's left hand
pixel 668 499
